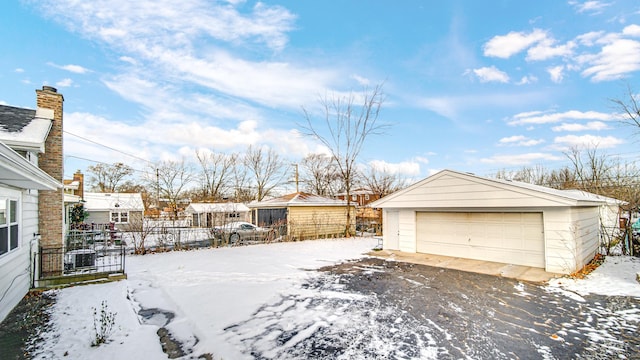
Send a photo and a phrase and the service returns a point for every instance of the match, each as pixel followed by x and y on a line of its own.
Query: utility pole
pixel 296 178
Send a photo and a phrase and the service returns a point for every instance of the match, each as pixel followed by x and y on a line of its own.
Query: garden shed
pixel 216 214
pixel 302 216
pixel 462 215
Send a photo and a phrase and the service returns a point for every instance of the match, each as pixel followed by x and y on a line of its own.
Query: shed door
pixel 513 238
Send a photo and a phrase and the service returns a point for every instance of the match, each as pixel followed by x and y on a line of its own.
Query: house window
pixel 354 197
pixel 9 232
pixel 366 197
pixel 233 215
pixel 120 217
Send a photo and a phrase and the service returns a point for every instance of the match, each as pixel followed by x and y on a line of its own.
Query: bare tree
pixel 344 126
pixel 383 182
pixel 591 169
pixel 242 191
pixel 266 169
pixel 170 178
pixel 630 108
pixel 217 169
pixel 320 175
pixel 105 178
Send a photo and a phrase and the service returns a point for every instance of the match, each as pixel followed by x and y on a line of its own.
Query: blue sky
pixel 471 85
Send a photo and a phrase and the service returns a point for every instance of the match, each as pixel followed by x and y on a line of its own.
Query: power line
pixel 108 147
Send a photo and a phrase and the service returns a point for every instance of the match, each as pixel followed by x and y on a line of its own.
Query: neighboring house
pixel 126 210
pixel 360 197
pixel 30 192
pixel 215 214
pixel 303 215
pixel 367 218
pixel 463 215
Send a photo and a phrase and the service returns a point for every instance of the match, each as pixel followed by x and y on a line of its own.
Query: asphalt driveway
pixel 400 310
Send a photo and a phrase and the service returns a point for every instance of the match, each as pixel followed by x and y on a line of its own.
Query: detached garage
pixel 463 215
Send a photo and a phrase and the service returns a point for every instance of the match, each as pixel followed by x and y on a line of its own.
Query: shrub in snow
pixel 103 322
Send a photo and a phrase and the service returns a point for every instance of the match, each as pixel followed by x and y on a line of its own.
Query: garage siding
pixel 407 230
pixel 587 235
pixel 572 237
pixel 516 238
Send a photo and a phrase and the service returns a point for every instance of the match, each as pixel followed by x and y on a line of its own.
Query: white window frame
pixel 115 216
pixel 14 228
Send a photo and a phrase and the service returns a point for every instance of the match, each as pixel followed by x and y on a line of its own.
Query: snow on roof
pixel 113 201
pixel 298 199
pixel 197 208
pixel 21 133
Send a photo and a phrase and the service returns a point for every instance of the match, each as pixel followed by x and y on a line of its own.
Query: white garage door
pixel 513 238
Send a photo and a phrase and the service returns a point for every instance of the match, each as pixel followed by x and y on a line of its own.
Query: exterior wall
pixel 51 209
pixel 306 222
pixel 453 192
pixel 572 238
pixel 407 230
pixel 98 217
pixel 16 266
pixel 587 222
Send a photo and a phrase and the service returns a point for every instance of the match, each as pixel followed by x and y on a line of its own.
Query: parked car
pixel 241 231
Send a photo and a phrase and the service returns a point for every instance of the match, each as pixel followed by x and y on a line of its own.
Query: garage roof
pixel 448 188
pixel 298 199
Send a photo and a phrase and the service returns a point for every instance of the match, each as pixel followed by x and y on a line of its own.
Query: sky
pixel 470 85
pixel 220 303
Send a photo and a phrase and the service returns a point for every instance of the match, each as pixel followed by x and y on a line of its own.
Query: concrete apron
pixel 519 272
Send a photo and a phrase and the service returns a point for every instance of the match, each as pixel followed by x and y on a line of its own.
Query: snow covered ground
pixel 214 301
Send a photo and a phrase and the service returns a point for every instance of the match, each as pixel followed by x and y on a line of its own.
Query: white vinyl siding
pixel 15 265
pixel 514 238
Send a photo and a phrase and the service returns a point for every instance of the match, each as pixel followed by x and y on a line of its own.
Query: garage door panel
pixel 515 238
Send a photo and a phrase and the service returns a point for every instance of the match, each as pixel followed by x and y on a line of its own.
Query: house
pixel 30 193
pixel 462 215
pixel 214 214
pixel 126 210
pixel 304 216
pixel 366 216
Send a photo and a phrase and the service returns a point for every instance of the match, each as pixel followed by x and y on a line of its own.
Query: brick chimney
pixel 51 202
pixel 79 177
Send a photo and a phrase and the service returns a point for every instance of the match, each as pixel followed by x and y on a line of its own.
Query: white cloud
pixel 547 49
pixel 361 80
pixel 614 60
pixel 587 141
pixel 188 50
pixel 556 73
pixel 76 69
pixel 125 136
pixel 520 159
pixel 504 46
pixel 406 168
pixel 19 70
pixel 540 118
pixel 632 30
pixel 64 83
pixel 592 125
pixel 593 6
pixel 491 74
pixel 530 79
pixel 590 38
pixel 519 140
